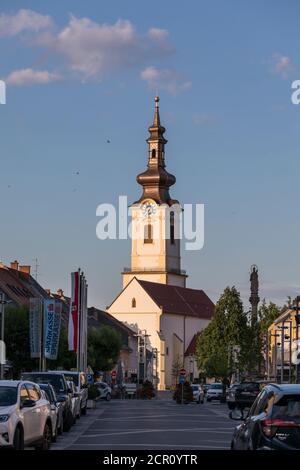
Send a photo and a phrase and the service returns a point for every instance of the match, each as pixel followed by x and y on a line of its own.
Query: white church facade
pixel 154 295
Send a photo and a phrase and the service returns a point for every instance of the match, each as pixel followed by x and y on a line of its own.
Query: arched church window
pixel 153 153
pixel 133 303
pixel 172 228
pixel 148 233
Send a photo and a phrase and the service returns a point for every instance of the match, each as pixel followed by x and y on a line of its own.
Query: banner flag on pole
pixel 73 328
pixel 52 312
pixel 35 326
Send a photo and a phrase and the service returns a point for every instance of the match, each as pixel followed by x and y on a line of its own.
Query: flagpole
pixel 78 326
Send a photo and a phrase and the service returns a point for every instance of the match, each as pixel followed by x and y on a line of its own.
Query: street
pixel 151 424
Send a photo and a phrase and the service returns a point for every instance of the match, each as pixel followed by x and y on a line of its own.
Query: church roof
pixel 191 349
pixel 179 300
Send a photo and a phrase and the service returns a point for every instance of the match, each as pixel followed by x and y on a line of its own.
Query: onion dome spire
pixel 156 180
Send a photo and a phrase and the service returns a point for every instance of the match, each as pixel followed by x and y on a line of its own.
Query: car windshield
pixel 218 386
pixel 287 407
pixel 8 396
pixel 55 380
pixel 72 378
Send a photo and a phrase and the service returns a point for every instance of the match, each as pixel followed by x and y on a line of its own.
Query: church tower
pixel 156 219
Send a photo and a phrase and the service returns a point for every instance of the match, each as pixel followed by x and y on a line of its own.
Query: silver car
pixel 105 390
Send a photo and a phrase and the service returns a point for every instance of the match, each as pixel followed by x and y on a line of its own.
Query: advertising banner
pixel 35 326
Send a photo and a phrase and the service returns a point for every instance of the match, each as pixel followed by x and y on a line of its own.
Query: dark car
pixel 243 395
pixel 273 422
pixel 63 393
pixel 55 405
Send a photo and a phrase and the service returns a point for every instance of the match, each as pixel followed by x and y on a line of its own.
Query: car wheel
pixel 108 397
pixel 68 422
pixel 46 440
pixel 232 446
pixel 18 443
pixel 208 399
pixel 83 411
pixel 60 431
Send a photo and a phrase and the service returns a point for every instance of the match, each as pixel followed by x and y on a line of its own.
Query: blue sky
pixel 79 73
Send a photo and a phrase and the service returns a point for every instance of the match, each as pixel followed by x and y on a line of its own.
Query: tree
pixel 222 346
pixel 176 366
pixel 16 336
pixel 65 359
pixel 104 346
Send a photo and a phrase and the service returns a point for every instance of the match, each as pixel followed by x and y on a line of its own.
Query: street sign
pixel 90 379
pixel 114 374
pixel 181 380
pixel 182 372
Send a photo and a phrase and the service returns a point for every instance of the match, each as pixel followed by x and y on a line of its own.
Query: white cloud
pixel 281 65
pixel 95 50
pixel 165 79
pixel 31 77
pixel 23 20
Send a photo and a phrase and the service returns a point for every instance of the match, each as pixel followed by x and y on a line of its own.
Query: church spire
pixel 156 120
pixel 156 180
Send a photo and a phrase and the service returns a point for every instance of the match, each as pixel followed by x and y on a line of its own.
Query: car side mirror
pixel 237 414
pixel 28 403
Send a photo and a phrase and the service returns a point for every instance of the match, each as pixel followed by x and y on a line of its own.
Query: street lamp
pixel 3 302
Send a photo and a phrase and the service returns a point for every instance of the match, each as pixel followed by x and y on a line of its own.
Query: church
pixel 154 294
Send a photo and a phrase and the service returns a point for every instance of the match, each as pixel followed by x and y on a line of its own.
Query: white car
pixel 198 393
pixel 105 390
pixel 215 392
pixel 25 416
pixel 56 410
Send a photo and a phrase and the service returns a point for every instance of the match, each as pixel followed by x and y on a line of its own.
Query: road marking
pixel 154 446
pixel 145 431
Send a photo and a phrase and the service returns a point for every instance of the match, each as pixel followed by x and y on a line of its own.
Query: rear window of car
pixel 216 386
pixel 288 406
pixel 249 387
pixel 72 378
pixel 195 387
pixel 55 380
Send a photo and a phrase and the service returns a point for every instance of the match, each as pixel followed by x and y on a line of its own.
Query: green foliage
pixel 104 346
pixel 176 366
pixel 183 393
pixel 267 314
pixel 65 359
pixel 16 337
pixel 93 392
pixel 226 331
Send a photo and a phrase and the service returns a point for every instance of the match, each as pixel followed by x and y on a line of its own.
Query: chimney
pixel 60 292
pixel 48 291
pixel 14 265
pixel 25 269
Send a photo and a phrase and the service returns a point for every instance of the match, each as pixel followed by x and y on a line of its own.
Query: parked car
pixel 25 416
pixel 230 396
pixel 56 410
pixel 205 388
pixel 80 382
pixel 75 399
pixel 273 422
pixel 198 393
pixel 63 392
pixel 215 392
pixel 243 395
pixel 105 390
pixel 130 390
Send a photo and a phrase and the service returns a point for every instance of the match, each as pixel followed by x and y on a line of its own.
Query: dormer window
pixel 133 303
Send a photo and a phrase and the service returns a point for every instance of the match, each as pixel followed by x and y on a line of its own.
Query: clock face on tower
pixel 148 208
